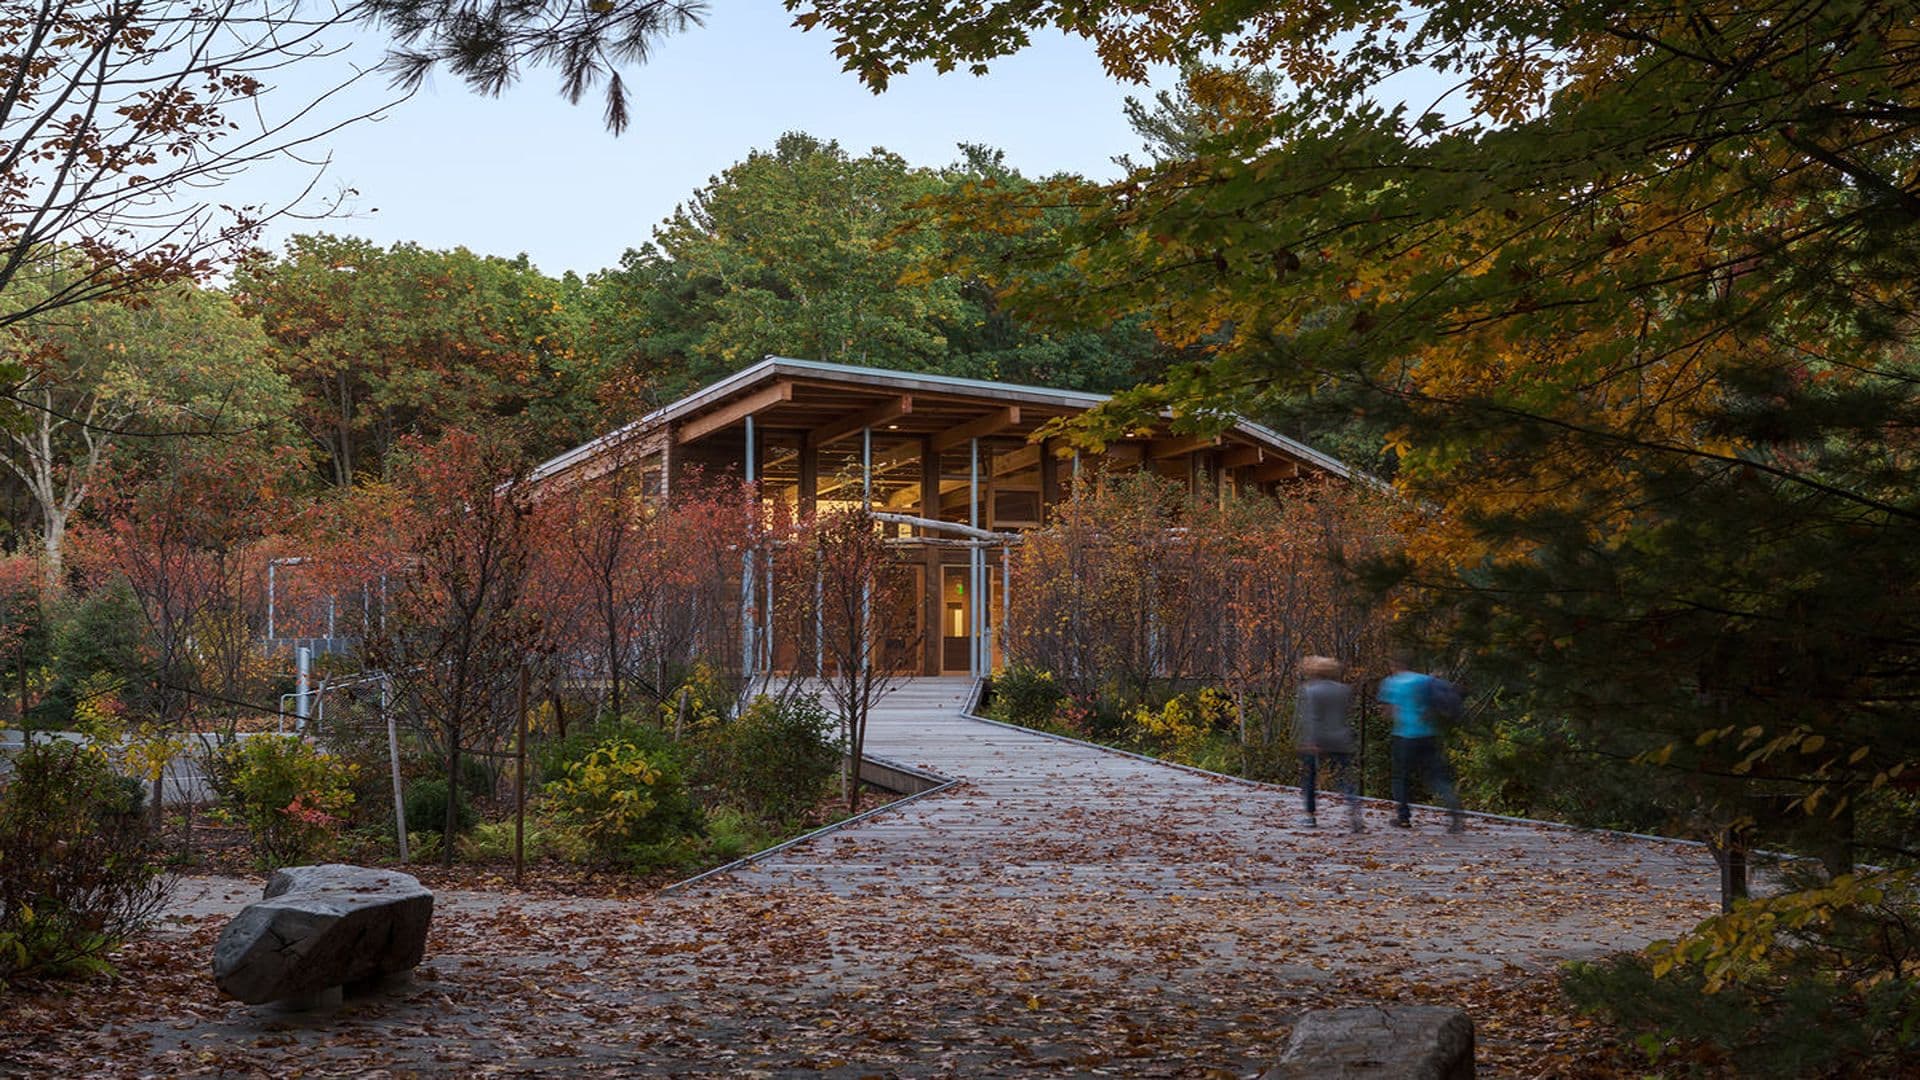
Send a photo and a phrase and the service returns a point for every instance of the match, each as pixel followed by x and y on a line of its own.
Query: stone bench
pixel 1387 1042
pixel 321 927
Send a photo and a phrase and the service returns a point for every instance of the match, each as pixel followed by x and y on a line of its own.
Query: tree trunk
pixel 54 541
pixel 343 461
pixel 1729 849
pixel 613 661
pixel 559 707
pixel 452 826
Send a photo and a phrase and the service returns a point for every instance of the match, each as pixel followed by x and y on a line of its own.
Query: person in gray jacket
pixel 1321 734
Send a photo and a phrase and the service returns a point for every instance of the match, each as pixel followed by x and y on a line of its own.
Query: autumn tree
pixel 633 590
pixel 177 364
pixel 186 531
pixel 383 343
pixel 1114 591
pixel 843 581
pixel 454 632
pixel 117 121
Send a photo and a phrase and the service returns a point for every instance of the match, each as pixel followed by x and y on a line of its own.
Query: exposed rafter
pixel 996 421
pixel 1167 448
pixel 702 426
pixel 1267 474
pixel 1242 456
pixel 891 409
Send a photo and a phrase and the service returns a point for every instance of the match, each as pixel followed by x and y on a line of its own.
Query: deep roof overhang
pixel 950 394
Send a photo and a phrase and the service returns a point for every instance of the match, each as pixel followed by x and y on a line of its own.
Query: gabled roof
pixel 830 383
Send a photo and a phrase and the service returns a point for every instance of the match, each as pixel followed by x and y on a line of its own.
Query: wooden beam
pixel 890 409
pixel 1050 466
pixel 809 478
pixel 1267 474
pixel 996 421
pixel 1242 456
pixel 1166 448
pixel 930 560
pixel 1014 461
pixel 702 426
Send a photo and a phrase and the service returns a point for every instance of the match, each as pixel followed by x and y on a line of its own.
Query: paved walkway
pixel 1064 911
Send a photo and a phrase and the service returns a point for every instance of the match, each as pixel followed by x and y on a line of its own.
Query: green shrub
pixel 292 798
pixel 1026 696
pixel 623 800
pixel 79 868
pixel 1816 980
pixel 424 846
pixel 734 834
pixel 492 841
pixel 479 778
pixel 773 760
pixel 1804 1026
pixel 99 634
pixel 552 759
pixel 426 801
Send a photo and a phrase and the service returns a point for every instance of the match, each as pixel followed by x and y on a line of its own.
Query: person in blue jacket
pixel 1415 745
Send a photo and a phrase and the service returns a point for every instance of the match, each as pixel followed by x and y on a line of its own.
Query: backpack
pixel 1442 699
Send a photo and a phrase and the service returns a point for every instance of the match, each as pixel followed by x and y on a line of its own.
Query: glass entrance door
pixel 956 621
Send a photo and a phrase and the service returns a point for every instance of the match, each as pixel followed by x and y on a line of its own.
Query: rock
pixel 320 927
pixel 1388 1042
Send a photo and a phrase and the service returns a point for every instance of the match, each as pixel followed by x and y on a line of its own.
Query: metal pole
pixel 302 682
pixel 393 756
pixel 747 600
pixel 973 559
pixel 520 788
pixel 1006 594
pixel 273 566
pixel 866 589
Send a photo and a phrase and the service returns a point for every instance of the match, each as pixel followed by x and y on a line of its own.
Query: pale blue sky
pixel 528 172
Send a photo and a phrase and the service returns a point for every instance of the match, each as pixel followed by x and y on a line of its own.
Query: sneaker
pixel 1399 823
pixel 1312 822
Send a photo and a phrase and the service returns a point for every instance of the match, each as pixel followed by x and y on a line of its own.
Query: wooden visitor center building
pixel 951 466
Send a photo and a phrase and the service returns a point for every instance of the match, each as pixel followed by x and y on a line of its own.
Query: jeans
pixel 1340 770
pixel 1425 755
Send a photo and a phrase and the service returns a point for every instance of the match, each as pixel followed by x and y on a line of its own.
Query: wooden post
pixel 393 758
pixel 520 787
pixel 932 658
pixel 1729 849
pixel 809 475
pixel 1049 478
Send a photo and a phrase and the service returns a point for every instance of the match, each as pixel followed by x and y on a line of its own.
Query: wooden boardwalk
pixel 1050 820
